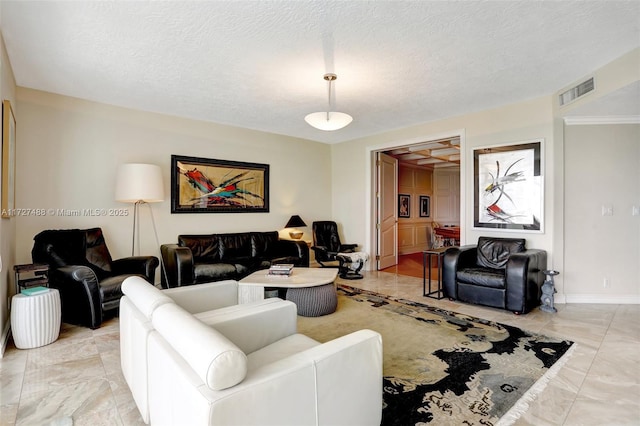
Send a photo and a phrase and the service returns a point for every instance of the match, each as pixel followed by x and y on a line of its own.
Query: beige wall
pixel 524 121
pixel 70 150
pixel 7 226
pixel 603 162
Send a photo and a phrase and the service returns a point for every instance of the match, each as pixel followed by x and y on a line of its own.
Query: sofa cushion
pixel 215 359
pixel 281 349
pixel 143 295
pixel 204 248
pixel 484 277
pixel 234 246
pixel 494 252
pixel 206 272
pixel 263 243
pixel 205 297
pixel 97 253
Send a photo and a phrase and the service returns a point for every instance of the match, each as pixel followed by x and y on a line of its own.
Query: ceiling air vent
pixel 577 91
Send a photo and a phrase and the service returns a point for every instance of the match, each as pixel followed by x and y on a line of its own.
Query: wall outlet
pixel 607 210
pixel 635 210
pixel 607 283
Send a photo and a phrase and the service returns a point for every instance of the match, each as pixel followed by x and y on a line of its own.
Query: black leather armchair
pixel 81 268
pixel 327 245
pixel 498 272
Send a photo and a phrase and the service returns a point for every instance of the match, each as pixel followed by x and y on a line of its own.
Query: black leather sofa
pixel 498 272
pixel 81 268
pixel 199 259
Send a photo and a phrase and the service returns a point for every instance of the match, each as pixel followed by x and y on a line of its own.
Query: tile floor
pixel 77 379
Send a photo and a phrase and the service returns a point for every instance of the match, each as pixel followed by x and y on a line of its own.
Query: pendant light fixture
pixel 329 120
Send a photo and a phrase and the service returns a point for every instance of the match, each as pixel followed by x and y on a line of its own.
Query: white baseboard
pixel 5 338
pixel 602 299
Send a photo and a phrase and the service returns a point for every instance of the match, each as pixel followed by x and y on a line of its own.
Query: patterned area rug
pixel 444 368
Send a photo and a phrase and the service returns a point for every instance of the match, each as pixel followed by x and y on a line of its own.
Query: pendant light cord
pixel 329 99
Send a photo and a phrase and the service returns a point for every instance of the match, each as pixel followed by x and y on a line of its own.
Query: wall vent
pixel 577 91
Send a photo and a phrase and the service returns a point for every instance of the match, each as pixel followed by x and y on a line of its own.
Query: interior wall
pixel 602 246
pixel 536 119
pixel 69 150
pixel 7 225
pixel 515 123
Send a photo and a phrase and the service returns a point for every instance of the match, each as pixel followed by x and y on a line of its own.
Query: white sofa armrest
pixel 254 325
pixel 355 362
pixel 204 297
pixel 289 391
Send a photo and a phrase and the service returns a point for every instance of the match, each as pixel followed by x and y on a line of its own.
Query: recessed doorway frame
pixel 371 171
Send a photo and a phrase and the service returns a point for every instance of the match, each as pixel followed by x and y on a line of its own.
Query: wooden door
pixel 387 211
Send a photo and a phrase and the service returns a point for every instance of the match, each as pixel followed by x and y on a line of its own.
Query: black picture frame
pixel 509 187
pixel 404 205
pixel 425 206
pixel 204 185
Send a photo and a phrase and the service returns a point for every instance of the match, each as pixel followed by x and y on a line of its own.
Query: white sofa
pixel 213 303
pixel 243 365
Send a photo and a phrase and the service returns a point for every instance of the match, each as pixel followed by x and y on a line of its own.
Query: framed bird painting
pixel 508 187
pixel 202 185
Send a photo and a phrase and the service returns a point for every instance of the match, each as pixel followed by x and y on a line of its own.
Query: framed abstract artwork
pixel 202 185
pixel 8 159
pixel 508 187
pixel 404 205
pixel 425 206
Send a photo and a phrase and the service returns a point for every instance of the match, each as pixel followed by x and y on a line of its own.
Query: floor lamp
pixel 139 184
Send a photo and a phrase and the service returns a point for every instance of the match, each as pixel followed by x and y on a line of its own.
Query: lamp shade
pixel 139 182
pixel 328 121
pixel 295 221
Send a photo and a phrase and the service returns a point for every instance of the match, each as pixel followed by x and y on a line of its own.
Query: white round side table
pixel 35 320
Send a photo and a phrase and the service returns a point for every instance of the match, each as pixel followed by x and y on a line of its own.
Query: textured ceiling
pixel 259 65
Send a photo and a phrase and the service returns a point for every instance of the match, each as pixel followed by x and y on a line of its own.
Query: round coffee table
pixel 311 289
pixel 314 301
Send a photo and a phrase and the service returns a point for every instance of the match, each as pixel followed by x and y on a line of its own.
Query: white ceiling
pixel 259 65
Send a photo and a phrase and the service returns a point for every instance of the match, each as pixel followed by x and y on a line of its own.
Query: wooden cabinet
pixel 446 199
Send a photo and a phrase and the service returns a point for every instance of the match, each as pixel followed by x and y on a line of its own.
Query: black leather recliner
pixel 498 272
pixel 81 268
pixel 327 245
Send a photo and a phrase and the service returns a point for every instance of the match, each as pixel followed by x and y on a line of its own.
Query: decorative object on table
pixel 81 268
pixel 404 205
pixel 425 206
pixel 8 159
pixel 328 120
pixel 32 291
pixel 508 187
pixel 284 269
pixel 139 184
pixel 351 264
pixel 548 290
pixel 497 272
pixel 202 185
pixel 294 222
pixel 327 244
pixel 441 367
pixel 448 235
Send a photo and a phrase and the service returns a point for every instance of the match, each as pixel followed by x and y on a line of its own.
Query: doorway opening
pixel 426 175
